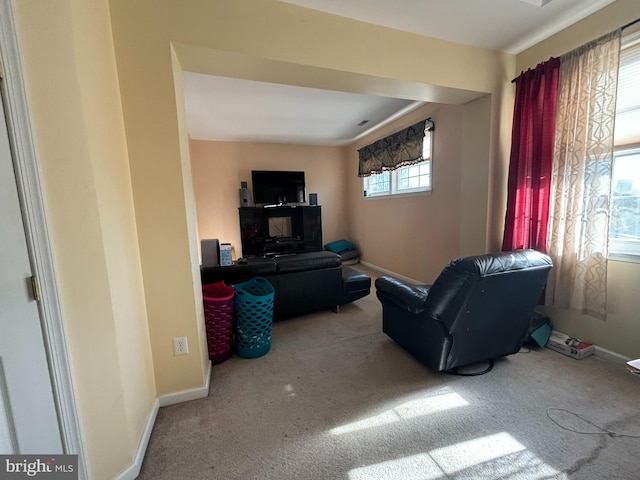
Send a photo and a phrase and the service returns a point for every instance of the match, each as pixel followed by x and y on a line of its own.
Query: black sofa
pixel 302 283
pixel 478 309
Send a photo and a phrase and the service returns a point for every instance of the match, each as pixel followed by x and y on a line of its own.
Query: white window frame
pixel 393 181
pixel 625 250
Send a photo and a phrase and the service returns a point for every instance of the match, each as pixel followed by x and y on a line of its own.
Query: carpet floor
pixel 335 398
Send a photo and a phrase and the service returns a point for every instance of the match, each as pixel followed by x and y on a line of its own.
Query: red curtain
pixel 531 156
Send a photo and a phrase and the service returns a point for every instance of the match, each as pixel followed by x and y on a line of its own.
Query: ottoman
pixel 355 285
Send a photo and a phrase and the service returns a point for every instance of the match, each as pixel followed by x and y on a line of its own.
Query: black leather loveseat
pixel 478 309
pixel 303 283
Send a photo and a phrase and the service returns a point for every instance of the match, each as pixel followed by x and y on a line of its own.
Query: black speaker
pixel 313 199
pixel 245 196
pixel 210 249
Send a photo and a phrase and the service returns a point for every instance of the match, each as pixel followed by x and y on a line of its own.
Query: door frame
pixel 37 233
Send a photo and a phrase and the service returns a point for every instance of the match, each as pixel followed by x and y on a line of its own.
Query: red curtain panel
pixel 531 156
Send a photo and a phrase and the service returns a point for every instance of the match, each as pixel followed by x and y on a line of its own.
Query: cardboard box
pixel 570 346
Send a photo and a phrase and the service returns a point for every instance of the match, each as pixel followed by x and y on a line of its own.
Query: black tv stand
pixel 280 230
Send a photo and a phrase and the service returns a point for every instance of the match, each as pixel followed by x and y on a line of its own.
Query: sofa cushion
pixel 340 246
pixel 306 261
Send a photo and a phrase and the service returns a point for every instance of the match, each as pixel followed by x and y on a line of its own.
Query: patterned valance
pixel 397 150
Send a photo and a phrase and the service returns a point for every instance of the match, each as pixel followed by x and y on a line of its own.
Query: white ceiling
pixel 225 109
pixel 229 109
pixel 506 25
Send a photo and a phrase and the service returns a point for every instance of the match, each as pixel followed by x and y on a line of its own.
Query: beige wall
pixel 264 39
pixel 435 228
pixel 69 67
pixel 413 235
pixel 621 330
pixel 70 76
pixel 604 21
pixel 156 142
pixel 71 83
pixel 219 167
pixel 480 205
pixel 192 224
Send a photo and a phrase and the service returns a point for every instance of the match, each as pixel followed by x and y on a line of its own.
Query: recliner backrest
pixel 480 293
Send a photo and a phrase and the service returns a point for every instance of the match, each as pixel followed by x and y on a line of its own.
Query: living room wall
pixel 267 41
pixel 620 332
pixel 219 167
pixel 413 235
pixel 83 154
pixel 76 116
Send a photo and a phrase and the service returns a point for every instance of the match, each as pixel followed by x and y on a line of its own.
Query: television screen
pixel 277 187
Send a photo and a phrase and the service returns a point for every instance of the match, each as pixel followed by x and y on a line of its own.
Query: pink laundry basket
pixel 218 301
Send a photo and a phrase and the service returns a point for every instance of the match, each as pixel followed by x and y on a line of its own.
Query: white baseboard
pixel 132 472
pixel 186 395
pixel 393 274
pixel 611 356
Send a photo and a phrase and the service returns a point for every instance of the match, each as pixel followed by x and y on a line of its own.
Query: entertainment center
pixel 279 230
pixel 281 240
pixel 279 223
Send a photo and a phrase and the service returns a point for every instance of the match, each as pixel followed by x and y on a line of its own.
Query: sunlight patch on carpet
pixel 288 388
pixel 494 456
pixel 415 467
pixel 444 399
pixel 462 455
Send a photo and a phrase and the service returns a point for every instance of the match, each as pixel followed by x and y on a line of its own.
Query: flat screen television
pixel 272 187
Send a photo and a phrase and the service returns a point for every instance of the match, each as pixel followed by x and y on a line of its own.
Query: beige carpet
pixel 335 398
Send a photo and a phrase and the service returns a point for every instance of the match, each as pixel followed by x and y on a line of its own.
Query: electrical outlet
pixel 180 346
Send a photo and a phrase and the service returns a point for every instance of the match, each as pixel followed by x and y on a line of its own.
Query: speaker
pixel 210 249
pixel 313 199
pixel 245 196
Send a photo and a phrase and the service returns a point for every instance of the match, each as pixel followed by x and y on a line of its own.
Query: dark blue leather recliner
pixel 478 309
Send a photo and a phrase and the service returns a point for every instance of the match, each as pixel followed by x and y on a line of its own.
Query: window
pixel 411 179
pixel 624 221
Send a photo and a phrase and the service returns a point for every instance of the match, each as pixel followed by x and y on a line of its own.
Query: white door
pixel 28 418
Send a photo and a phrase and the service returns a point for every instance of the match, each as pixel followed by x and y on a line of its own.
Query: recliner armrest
pixel 409 297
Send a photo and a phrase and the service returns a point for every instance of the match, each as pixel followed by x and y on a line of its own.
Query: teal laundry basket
pixel 254 317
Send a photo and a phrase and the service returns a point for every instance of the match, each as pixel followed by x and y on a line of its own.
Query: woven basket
pixel 254 312
pixel 218 301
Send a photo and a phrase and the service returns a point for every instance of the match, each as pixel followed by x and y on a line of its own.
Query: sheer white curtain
pixel 581 179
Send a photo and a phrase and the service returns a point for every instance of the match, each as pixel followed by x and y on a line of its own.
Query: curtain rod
pixel 631 23
pixel 621 28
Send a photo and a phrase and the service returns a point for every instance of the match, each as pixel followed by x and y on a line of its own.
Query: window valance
pixel 395 151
